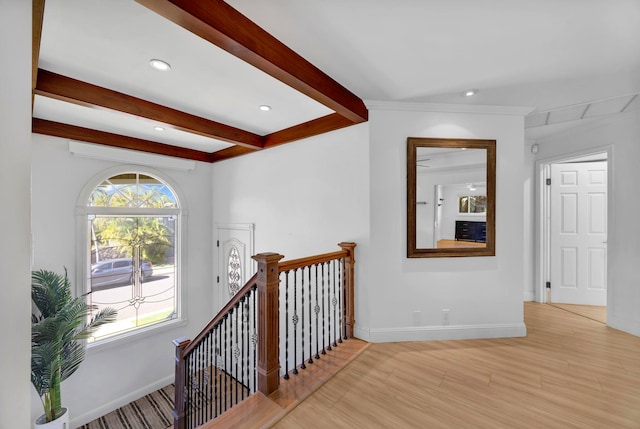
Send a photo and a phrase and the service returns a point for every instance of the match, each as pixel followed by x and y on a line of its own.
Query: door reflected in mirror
pixel 450 197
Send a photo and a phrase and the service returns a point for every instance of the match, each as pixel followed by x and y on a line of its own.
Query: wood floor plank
pixel 261 411
pixel 570 371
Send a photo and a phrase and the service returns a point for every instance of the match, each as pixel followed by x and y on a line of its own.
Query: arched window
pixel 132 229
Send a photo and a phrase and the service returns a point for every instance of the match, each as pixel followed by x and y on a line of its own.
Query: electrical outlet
pixel 445 316
pixel 416 318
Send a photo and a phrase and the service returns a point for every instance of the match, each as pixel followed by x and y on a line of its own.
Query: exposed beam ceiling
pixel 226 28
pixel 73 91
pixel 229 57
pixel 57 129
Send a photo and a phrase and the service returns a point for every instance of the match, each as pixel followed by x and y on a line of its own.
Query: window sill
pixel 133 336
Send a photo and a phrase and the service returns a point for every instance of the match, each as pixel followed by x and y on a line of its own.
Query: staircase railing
pixel 284 317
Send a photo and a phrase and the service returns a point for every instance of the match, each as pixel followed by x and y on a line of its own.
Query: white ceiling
pixel 545 54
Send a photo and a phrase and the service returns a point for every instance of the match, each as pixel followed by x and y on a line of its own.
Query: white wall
pixel 483 294
pixel 622 133
pixel 304 197
pixel 15 149
pixel 117 374
pixel 294 195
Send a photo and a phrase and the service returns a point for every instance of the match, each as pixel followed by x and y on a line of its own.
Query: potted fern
pixel 59 324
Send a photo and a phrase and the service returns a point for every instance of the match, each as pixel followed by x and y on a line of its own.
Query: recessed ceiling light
pixel 159 65
pixel 264 108
pixel 470 92
pixel 158 128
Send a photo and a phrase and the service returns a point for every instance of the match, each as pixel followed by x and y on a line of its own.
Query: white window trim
pixel 472 214
pixel 82 210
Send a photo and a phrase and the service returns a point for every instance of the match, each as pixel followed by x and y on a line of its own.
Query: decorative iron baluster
pixel 310 321
pixel 226 360
pixel 221 354
pixel 341 286
pixel 247 321
pixel 214 371
pixel 316 309
pixel 236 353
pixel 302 366
pixel 199 385
pixel 209 370
pixel 334 302
pixel 286 325
pixel 241 349
pixel 330 281
pixel 187 390
pixel 201 365
pixel 324 342
pixel 295 322
pixel 192 392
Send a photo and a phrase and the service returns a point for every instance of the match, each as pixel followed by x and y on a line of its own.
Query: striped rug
pixel 154 411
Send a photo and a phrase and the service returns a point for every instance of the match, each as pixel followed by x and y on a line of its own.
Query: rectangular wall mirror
pixel 451 189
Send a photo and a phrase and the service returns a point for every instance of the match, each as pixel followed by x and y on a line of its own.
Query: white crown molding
pixel 448 108
pixel 95 151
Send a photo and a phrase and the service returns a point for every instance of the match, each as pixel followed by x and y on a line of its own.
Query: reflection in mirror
pixel 450 197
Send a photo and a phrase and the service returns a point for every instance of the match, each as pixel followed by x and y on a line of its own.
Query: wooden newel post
pixel 349 296
pixel 268 322
pixel 180 397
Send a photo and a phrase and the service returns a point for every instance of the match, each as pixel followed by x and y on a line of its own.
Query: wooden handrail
pixel 221 314
pixel 294 264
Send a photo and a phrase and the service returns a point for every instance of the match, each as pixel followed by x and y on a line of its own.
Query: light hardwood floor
pixel 595 312
pixel 569 372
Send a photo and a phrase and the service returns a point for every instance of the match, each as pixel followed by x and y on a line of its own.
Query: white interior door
pixel 235 247
pixel 579 233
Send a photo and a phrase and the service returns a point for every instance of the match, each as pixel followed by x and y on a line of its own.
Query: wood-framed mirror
pixel 451 197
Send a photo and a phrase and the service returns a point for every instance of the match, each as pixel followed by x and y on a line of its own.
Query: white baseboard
pixel 361 333
pixel 437 333
pixel 529 296
pixel 78 421
pixel 629 326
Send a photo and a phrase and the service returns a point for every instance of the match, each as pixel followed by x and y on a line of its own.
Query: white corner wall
pixel 303 197
pixel 622 134
pixel 117 374
pixel 351 185
pixel 484 295
pixel 528 189
pixel 15 152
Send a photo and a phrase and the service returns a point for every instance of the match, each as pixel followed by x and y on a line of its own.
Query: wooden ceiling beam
pixel 228 153
pixel 228 29
pixel 307 129
pixel 85 94
pixel 37 17
pixel 57 129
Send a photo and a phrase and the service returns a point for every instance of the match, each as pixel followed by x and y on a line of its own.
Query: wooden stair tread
pixel 259 411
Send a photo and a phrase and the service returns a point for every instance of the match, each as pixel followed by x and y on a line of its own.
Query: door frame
pixel 543 212
pixel 250 267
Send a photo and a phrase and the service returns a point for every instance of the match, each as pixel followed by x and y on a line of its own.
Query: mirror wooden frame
pixel 413 143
